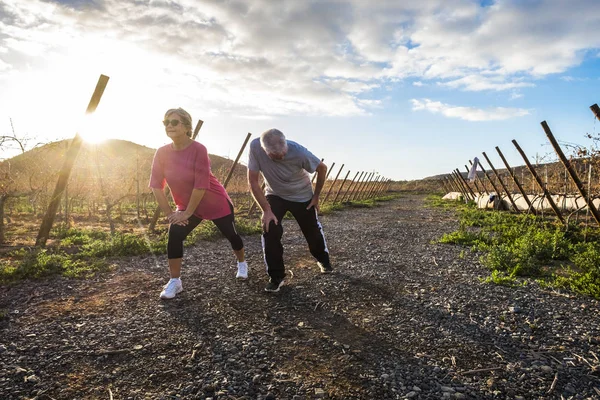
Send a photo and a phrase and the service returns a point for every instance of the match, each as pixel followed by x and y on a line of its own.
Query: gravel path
pixel 402 317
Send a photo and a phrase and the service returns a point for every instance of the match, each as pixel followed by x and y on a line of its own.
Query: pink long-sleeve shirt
pixel 186 170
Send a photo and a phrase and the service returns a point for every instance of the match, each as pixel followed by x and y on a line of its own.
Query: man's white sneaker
pixel 242 272
pixel 171 289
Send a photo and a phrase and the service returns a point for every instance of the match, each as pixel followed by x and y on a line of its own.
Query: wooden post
pixel 539 182
pixel 474 182
pixel 596 110
pixel 460 186
pixel 356 194
pixel 464 182
pixel 377 190
pixel 489 179
pixel 236 160
pixel 572 172
pixel 349 187
pixel 333 184
pixel 65 171
pixel 369 194
pixel 477 178
pixel 197 129
pixel 452 184
pixel 341 186
pixel 361 193
pixel 352 189
pixel 501 183
pixel 514 178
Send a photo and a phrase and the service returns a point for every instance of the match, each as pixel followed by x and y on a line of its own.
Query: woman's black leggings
pixel 178 233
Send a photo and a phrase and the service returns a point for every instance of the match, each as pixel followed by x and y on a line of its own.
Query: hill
pixel 38 167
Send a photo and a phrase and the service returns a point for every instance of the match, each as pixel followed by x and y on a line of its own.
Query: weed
pixel 527 245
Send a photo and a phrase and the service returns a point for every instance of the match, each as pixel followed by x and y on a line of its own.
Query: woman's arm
pixel 195 199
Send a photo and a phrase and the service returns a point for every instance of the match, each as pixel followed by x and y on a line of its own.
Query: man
pixel 285 166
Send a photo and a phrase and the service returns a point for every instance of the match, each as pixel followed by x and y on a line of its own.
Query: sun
pixel 93 129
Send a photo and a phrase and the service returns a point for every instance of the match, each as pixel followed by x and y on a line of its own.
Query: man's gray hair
pixel 273 141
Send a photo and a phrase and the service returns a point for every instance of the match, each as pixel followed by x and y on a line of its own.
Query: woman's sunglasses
pixel 173 122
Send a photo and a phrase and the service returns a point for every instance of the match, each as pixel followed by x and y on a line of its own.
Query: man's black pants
pixel 310 226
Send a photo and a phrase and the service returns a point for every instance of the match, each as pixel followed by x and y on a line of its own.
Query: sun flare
pixel 93 129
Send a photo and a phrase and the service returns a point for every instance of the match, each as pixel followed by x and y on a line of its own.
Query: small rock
pixel 319 393
pixel 447 389
pixel 546 369
pixel 411 394
pixel 32 378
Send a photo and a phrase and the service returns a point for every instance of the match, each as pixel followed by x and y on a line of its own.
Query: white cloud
pixel 300 57
pixel 467 113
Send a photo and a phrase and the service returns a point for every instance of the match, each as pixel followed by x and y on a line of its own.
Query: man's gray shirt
pixel 288 178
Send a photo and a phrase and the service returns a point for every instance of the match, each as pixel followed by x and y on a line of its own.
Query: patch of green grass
pixel 520 245
pixel 500 278
pixel 39 263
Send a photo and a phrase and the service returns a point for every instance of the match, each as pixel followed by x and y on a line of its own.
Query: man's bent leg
pixel 313 232
pixel 271 241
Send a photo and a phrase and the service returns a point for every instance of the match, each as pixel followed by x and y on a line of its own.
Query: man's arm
pixel 321 174
pixel 260 198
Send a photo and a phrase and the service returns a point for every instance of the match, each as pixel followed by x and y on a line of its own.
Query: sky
pixel 408 89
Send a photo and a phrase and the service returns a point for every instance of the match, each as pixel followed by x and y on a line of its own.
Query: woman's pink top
pixel 186 170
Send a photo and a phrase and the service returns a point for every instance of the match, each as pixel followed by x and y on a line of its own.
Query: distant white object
pixel 453 196
pixel 473 170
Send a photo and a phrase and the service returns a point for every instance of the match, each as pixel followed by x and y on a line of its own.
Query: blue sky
pixel 407 89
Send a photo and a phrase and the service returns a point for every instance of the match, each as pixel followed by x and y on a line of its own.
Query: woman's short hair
pixel 273 141
pixel 185 116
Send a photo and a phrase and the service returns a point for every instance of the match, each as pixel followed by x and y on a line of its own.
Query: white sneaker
pixel 171 289
pixel 242 272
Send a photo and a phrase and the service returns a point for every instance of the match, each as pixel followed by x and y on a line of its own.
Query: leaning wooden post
pixel 452 184
pixel 464 182
pixel 489 179
pixel 197 129
pixel 571 171
pixel 352 188
pixel 329 171
pixel 341 186
pixel 479 179
pixel 474 182
pixel 539 182
pixel 367 190
pixel 67 166
pixel 501 183
pixel 369 194
pixel 596 110
pixel 460 186
pixel 236 160
pixel 514 178
pixel 333 184
pixel 360 185
pixel 349 187
pixel 361 194
pixel 377 189
pixel 463 190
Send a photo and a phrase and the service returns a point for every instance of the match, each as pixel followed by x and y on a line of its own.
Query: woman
pixel 184 165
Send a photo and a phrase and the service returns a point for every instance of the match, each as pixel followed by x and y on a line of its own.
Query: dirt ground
pixel 401 317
